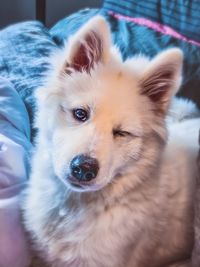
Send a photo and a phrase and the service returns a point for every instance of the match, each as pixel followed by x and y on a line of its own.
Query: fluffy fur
pixel 138 211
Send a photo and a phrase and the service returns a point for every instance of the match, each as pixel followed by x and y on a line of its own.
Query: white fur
pixel 138 212
pixel 182 109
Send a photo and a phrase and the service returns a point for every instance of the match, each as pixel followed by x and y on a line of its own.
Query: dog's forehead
pixel 118 84
pixel 104 86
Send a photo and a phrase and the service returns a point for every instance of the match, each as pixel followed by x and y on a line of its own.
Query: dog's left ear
pixel 89 46
pixel 162 78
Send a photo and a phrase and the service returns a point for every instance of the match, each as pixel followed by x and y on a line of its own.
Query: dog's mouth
pixel 81 186
pixel 76 185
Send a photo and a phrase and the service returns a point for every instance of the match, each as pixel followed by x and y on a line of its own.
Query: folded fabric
pixel 24 58
pixel 15 148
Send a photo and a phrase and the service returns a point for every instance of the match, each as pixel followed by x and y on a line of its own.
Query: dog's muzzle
pixel 84 168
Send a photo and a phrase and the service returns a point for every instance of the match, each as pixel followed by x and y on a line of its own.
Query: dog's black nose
pixel 84 168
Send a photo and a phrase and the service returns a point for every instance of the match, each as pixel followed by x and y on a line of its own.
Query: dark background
pixel 12 11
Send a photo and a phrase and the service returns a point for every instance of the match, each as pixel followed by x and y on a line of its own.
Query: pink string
pixel 166 30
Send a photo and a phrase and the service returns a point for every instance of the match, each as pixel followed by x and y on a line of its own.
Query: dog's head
pixel 99 117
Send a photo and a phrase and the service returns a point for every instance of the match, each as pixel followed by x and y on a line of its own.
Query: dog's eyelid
pixel 84 107
pixel 65 109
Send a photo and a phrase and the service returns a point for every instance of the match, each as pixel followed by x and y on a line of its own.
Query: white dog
pixel 108 187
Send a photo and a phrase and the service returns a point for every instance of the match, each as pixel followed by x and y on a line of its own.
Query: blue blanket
pixel 24 53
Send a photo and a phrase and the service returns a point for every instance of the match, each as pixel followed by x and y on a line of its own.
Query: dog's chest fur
pixel 89 236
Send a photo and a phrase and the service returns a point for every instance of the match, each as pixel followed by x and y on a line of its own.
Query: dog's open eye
pixel 121 133
pixel 80 114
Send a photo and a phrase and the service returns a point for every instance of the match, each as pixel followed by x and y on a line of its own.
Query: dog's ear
pixel 89 46
pixel 162 78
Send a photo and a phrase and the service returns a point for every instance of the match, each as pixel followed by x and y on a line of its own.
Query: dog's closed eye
pixel 121 133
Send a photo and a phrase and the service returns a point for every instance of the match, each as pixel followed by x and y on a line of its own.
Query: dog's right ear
pixel 162 78
pixel 89 46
